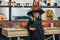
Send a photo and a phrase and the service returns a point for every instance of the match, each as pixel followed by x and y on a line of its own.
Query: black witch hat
pixel 30 13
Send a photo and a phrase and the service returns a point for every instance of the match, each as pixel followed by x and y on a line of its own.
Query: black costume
pixel 38 34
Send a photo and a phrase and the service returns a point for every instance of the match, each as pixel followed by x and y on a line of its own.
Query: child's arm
pixel 29 26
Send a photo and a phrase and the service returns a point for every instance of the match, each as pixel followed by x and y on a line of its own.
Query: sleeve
pixel 29 24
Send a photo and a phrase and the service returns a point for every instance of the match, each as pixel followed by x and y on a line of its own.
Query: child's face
pixel 36 15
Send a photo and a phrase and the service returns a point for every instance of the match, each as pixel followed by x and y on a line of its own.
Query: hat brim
pixel 39 11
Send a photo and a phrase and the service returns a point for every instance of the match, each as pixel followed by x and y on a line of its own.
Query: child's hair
pixel 33 18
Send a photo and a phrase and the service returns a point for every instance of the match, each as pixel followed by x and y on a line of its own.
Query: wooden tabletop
pixel 15 32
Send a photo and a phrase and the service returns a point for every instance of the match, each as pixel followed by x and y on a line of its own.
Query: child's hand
pixel 32 29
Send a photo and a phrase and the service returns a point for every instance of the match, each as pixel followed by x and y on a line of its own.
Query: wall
pixel 5 11
pixel 57 10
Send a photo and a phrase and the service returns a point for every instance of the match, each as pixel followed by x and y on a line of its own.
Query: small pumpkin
pixel 22 4
pixel 4 3
pixel 24 24
pixel 13 3
pixel 2 17
pixel 49 1
pixel 46 24
pixel 30 4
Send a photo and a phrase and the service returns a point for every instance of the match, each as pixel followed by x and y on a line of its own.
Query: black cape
pixel 38 34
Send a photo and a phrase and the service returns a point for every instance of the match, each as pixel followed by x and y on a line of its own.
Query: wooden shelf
pixel 3 6
pixel 41 6
pixel 30 6
pixel 50 6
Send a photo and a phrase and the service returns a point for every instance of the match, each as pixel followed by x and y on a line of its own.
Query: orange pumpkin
pixel 24 24
pixel 2 17
pixel 46 24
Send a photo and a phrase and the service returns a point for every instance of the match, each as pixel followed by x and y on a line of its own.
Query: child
pixel 34 26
